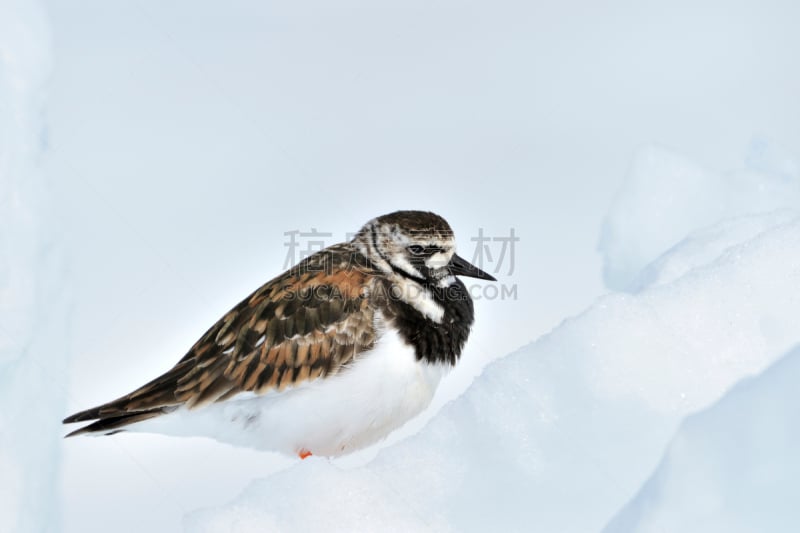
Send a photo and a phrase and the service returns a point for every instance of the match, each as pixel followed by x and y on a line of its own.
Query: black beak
pixel 460 267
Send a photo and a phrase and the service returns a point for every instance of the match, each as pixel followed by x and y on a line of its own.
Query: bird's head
pixel 416 245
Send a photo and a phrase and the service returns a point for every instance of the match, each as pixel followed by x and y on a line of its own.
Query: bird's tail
pixel 108 425
pixel 154 399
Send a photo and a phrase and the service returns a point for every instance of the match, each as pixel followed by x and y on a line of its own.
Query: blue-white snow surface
pixel 32 299
pixel 561 434
pixel 733 468
pixel 666 195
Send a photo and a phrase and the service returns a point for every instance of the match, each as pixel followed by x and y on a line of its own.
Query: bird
pixel 325 359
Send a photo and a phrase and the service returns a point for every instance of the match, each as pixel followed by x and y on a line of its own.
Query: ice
pixel 32 303
pixel 733 468
pixel 667 196
pixel 559 435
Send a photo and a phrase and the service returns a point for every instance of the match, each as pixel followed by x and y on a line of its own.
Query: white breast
pixel 377 393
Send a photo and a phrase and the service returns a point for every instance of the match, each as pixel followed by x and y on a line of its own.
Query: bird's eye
pixel 416 249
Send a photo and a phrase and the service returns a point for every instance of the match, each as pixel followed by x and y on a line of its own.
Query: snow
pixel 32 302
pixel 705 244
pixel 733 468
pixel 581 415
pixel 666 195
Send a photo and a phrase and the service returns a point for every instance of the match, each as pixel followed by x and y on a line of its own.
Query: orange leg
pixel 303 453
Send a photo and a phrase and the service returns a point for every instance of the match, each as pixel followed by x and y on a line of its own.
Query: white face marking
pixel 400 261
pixel 438 260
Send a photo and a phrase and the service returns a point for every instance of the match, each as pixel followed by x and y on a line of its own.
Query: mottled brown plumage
pixel 305 324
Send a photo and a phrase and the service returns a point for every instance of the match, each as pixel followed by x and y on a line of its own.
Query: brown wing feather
pixel 305 324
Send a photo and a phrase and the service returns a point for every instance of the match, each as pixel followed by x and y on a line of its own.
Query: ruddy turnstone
pixel 326 358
